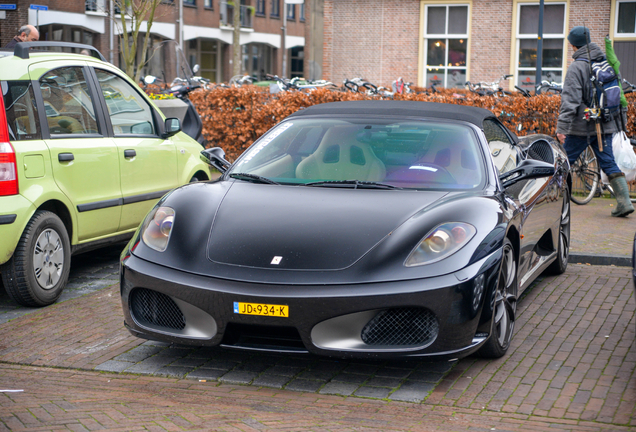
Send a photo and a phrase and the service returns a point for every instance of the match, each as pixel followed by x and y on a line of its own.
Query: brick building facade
pixel 207 31
pixel 450 42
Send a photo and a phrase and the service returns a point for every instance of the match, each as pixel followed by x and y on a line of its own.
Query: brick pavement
pixel 571 366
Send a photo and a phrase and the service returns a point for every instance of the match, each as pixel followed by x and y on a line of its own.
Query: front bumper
pixel 448 316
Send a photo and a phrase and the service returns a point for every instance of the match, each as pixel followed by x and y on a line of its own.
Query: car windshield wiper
pixel 253 177
pixel 357 184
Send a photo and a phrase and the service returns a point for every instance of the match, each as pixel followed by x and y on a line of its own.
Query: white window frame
pixel 100 8
pixel 535 36
pixel 616 33
pixel 445 36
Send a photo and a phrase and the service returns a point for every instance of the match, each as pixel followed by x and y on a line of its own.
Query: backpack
pixel 608 89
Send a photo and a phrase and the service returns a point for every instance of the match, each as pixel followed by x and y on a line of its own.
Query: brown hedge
pixel 233 118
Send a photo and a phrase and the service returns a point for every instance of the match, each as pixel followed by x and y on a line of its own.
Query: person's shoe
pixel 621 192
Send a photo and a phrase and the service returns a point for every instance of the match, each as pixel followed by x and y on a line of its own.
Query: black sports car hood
pixel 306 228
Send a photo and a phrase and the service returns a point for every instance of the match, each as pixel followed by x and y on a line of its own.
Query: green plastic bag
pixel 616 64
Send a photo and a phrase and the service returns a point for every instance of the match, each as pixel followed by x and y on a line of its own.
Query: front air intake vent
pixel 153 309
pixel 401 327
pixel 541 151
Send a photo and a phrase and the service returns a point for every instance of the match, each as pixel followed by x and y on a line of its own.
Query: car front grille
pixel 154 309
pixel 401 326
pixel 541 151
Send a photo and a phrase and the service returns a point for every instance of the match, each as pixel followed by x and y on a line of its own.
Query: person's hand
pixel 561 138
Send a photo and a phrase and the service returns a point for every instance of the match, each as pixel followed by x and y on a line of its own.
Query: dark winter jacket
pixel 13 42
pixel 576 91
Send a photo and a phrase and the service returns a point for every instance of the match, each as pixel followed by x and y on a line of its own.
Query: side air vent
pixel 401 326
pixel 541 151
pixel 153 309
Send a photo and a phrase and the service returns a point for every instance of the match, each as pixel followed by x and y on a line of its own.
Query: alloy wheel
pixel 48 258
pixel 506 298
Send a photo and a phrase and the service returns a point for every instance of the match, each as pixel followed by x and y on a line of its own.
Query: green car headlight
pixel 443 241
pixel 157 227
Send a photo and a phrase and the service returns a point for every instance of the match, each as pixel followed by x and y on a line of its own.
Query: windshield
pixel 395 153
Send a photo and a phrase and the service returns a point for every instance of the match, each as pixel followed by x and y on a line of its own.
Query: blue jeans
pixel 574 146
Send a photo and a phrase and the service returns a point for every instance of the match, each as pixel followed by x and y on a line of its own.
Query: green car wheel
pixel 38 271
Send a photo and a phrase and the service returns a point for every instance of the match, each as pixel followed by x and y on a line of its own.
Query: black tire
pixel 563 249
pixel 503 306
pixel 38 271
pixel 585 177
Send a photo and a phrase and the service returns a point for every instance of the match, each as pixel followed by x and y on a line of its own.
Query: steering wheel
pixel 440 172
pixel 424 172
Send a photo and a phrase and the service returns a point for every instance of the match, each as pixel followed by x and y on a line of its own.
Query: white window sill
pixel 230 28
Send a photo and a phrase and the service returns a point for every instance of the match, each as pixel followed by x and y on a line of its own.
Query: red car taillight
pixel 8 165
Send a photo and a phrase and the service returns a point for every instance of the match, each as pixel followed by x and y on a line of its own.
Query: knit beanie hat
pixel 579 36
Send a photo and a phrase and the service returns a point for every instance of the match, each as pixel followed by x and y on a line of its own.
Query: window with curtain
pixel 446 43
pixel 553 43
pixel 275 12
pixel 625 18
pixel 260 7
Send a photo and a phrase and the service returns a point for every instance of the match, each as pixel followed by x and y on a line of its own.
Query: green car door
pixel 84 161
pixel 148 163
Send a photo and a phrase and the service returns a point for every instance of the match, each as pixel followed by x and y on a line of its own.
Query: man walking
pixel 27 33
pixel 575 132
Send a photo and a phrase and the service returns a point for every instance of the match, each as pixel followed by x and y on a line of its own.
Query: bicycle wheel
pixel 585 177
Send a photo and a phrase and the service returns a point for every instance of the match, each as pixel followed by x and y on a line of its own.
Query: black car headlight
pixel 157 228
pixel 443 241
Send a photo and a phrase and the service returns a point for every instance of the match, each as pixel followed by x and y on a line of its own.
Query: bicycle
pixel 549 87
pixel 489 89
pixel 586 176
pixel 240 80
pixel 628 87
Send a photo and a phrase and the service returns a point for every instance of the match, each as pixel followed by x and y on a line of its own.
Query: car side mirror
pixel 173 125
pixel 215 157
pixel 527 169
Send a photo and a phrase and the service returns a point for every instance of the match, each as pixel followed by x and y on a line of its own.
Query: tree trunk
pixel 236 42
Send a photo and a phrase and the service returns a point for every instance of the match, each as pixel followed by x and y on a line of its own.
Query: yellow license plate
pixel 281 311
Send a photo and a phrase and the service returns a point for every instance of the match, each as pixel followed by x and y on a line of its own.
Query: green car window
pixel 129 113
pixel 22 112
pixel 68 103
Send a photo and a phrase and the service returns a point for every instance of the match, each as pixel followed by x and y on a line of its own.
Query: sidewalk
pixel 597 238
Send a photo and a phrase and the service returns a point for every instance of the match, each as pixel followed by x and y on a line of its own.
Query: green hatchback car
pixel 84 155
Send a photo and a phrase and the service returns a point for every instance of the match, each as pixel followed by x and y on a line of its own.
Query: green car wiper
pixel 253 177
pixel 357 184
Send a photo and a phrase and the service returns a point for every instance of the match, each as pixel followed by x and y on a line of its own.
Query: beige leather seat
pixel 455 152
pixel 340 156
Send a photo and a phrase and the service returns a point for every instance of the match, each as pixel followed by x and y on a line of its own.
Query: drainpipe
pixel 111 41
pixel 537 79
pixel 181 25
pixel 283 45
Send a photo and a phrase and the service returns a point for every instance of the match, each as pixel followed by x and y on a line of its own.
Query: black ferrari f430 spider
pixel 367 229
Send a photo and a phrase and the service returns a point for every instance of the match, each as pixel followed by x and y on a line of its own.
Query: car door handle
pixel 65 157
pixel 129 153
